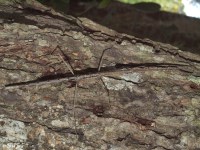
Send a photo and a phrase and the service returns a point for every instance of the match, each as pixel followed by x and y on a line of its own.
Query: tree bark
pixel 69 83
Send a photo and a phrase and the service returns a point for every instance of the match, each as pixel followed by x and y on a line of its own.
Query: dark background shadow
pixel 145 22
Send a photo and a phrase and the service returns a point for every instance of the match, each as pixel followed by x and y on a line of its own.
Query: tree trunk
pixel 68 83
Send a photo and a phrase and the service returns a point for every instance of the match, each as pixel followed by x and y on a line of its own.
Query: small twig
pixel 101 59
pixel 68 65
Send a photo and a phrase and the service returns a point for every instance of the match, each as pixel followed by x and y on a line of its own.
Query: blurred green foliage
pixel 104 3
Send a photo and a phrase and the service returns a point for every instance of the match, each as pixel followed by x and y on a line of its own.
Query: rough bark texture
pixel 126 93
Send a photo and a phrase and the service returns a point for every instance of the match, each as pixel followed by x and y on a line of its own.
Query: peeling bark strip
pixel 138 94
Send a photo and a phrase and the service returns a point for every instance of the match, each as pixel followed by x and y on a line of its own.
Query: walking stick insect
pixel 76 81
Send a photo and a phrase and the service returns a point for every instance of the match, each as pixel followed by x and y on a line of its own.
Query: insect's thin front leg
pixel 101 59
pixel 74 106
